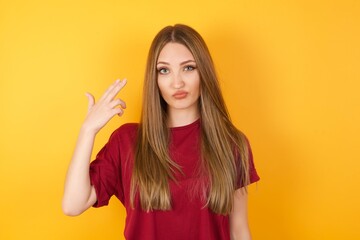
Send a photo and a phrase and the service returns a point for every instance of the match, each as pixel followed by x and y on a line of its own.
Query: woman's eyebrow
pixel 165 63
pixel 188 61
pixel 182 63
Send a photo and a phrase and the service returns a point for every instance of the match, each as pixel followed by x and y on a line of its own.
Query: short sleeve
pixel 105 172
pixel 253 175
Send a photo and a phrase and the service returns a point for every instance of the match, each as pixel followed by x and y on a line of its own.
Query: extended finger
pixel 115 90
pixel 117 102
pixel 91 100
pixel 110 88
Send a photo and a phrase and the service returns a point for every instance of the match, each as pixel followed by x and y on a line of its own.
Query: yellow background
pixel 290 75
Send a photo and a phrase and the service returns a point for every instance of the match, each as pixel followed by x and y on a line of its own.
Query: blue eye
pixel 163 70
pixel 189 68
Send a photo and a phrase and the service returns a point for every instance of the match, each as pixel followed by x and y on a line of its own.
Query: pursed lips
pixel 180 94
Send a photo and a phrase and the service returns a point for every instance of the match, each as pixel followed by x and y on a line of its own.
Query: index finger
pixel 114 90
pixel 117 89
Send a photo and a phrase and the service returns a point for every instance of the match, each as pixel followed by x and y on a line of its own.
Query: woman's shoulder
pixel 127 129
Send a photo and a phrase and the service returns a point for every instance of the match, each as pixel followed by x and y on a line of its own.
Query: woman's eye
pixel 163 70
pixel 189 68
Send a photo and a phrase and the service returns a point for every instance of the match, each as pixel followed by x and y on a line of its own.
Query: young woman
pixel 181 172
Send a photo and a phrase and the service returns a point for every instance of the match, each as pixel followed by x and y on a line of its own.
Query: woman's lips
pixel 180 95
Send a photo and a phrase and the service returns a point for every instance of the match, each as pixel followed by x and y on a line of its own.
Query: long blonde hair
pixel 224 158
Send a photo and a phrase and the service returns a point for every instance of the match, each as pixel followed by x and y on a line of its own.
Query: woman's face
pixel 178 78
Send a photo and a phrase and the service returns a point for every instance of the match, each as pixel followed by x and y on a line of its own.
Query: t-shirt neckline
pixel 190 125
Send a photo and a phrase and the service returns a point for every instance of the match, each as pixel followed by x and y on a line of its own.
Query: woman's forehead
pixel 175 53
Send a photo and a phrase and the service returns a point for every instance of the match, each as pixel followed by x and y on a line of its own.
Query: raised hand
pixel 106 108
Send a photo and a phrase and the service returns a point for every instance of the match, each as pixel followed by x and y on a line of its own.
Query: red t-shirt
pixel 111 171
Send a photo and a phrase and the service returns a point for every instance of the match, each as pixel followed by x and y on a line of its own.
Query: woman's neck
pixel 182 117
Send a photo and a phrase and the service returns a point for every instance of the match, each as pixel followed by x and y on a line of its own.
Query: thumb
pixel 91 100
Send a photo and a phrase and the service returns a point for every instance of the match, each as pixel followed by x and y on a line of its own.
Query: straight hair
pixel 224 149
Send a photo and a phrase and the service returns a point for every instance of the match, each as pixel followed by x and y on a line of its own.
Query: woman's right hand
pixel 106 108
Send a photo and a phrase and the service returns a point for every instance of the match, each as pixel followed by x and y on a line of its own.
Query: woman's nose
pixel 178 81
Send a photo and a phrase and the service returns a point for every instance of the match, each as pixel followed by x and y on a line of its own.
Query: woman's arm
pixel 239 227
pixel 79 195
